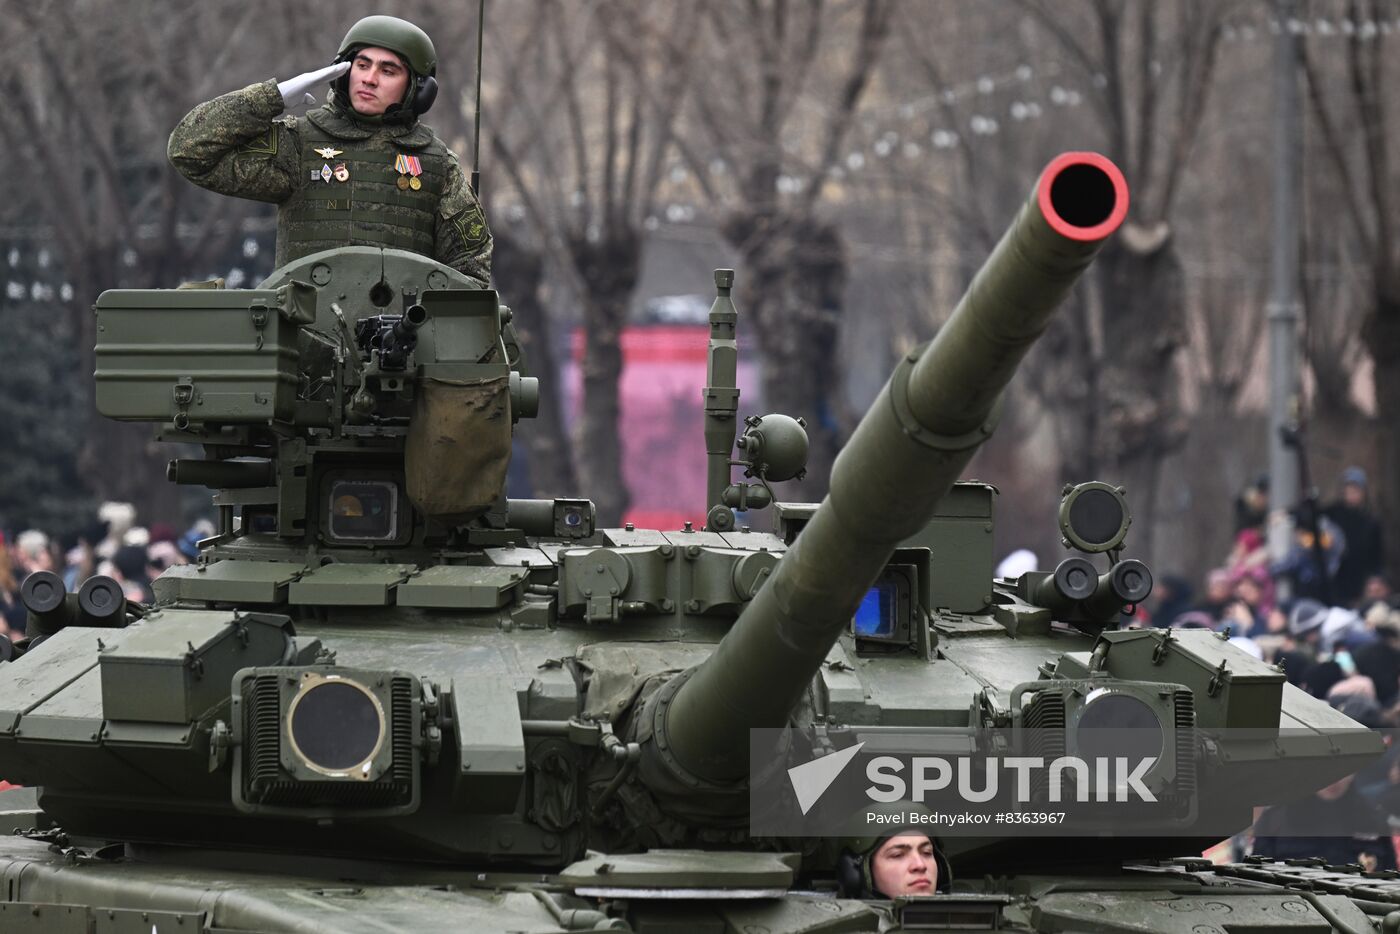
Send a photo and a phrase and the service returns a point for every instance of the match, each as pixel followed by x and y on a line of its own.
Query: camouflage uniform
pixel 237 144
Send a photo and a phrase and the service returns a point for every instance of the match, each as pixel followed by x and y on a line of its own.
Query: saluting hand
pixel 293 88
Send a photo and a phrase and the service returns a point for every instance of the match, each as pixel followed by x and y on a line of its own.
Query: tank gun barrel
pixel 938 407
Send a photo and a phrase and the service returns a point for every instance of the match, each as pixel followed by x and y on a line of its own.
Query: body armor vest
pixel 356 198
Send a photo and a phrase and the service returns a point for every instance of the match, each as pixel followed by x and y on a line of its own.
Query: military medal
pixel 409 168
pixel 328 152
pixel 342 172
pixel 325 173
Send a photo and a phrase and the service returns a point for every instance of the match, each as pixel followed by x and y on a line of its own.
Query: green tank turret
pixel 389 696
pixel 923 428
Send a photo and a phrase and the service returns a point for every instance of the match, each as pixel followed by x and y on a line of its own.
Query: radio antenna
pixel 476 143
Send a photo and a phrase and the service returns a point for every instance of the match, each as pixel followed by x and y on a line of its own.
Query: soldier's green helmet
pixel 403 39
pixel 864 836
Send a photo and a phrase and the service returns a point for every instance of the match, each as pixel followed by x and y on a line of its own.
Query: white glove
pixel 293 88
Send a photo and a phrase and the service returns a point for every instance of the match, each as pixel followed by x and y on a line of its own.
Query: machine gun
pixel 391 337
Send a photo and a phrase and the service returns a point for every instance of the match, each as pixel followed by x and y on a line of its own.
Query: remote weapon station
pixel 386 696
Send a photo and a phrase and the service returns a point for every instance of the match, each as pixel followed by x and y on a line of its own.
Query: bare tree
pixel 518 269
pixel 594 93
pixel 1149 67
pixel 519 265
pixel 1153 356
pixel 92 99
pixel 783 81
pixel 1349 76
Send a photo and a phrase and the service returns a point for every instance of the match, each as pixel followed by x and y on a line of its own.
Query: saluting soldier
pixel 360 170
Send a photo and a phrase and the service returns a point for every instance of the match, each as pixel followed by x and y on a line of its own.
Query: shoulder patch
pixel 471 226
pixel 263 144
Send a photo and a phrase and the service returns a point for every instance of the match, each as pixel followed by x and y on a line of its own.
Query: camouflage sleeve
pixel 461 239
pixel 235 145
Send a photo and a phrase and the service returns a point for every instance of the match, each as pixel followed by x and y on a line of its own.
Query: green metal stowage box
pixel 175 665
pixel 194 356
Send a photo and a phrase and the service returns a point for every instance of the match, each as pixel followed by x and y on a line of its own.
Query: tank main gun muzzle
pixel 928 421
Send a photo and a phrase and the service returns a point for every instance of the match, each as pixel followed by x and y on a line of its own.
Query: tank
pixel 388 697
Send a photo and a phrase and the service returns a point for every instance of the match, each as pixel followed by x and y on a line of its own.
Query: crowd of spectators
pixel 1326 613
pixel 114 545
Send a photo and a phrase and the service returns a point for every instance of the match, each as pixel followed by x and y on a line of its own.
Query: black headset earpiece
pixel 945 872
pixel 850 875
pixel 427 93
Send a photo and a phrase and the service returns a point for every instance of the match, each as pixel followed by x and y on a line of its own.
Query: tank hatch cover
pixel 228 581
pixel 350 584
pixel 462 587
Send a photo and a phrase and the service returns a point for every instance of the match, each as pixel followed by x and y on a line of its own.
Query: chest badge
pixel 342 172
pixel 325 173
pixel 409 168
pixel 328 152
